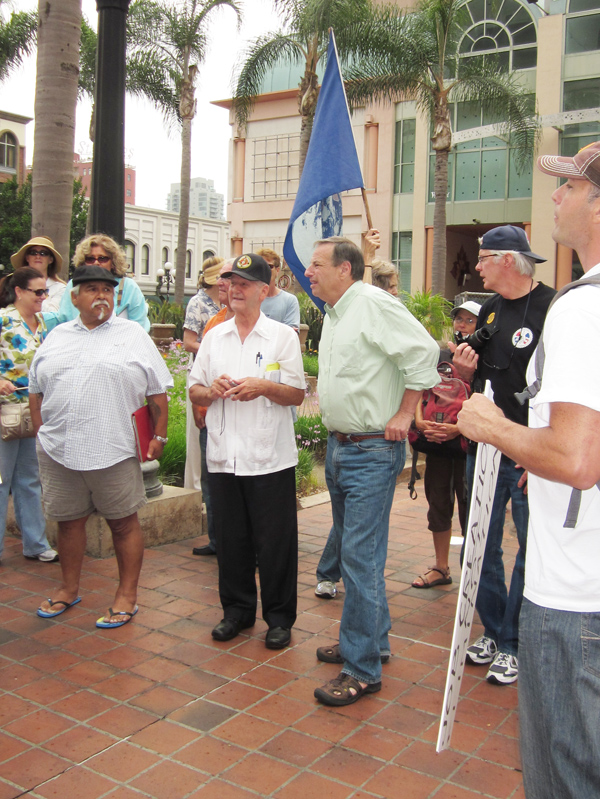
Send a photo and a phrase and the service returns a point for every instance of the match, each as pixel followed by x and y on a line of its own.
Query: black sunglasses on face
pixel 101 259
pixel 41 253
pixel 39 292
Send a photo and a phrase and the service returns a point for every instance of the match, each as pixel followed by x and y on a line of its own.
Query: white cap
pixel 469 305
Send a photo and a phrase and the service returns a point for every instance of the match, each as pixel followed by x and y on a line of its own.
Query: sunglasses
pixel 41 253
pixel 39 292
pixel 101 259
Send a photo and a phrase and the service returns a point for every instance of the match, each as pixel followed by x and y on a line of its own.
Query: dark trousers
pixel 256 521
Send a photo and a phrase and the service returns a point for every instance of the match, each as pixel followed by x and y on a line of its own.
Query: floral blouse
pixel 17 348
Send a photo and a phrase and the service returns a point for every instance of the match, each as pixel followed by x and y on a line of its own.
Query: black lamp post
pixel 107 210
pixel 164 277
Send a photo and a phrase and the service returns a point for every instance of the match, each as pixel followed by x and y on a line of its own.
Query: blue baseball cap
pixel 509 237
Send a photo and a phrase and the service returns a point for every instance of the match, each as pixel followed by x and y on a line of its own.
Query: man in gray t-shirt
pixel 279 305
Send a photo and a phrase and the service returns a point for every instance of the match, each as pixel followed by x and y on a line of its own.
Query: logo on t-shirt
pixel 522 337
pixel 490 318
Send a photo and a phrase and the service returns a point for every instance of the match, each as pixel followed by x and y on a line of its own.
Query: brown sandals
pixel 344 690
pixel 444 578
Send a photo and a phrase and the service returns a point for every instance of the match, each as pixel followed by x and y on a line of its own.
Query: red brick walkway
pixel 158 709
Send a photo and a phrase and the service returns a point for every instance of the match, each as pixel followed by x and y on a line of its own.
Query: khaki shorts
pixel 115 492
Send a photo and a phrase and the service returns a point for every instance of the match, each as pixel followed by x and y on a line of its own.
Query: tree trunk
pixel 307 105
pixel 440 187
pixel 442 142
pixel 187 111
pixel 59 29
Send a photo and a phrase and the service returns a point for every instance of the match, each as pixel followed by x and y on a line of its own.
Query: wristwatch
pixel 161 439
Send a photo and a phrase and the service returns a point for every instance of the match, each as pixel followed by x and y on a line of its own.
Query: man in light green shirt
pixel 375 359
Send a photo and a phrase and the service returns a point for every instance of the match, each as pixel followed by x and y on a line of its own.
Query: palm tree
pixel 143 74
pixel 59 26
pixel 413 55
pixel 304 41
pixel 17 39
pixel 176 39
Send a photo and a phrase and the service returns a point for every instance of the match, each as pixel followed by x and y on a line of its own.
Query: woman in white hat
pixel 41 254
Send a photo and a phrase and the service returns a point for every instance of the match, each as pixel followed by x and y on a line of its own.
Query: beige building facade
pixel 554 53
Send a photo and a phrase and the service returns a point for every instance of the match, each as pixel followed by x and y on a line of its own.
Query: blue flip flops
pixel 108 625
pixel 48 614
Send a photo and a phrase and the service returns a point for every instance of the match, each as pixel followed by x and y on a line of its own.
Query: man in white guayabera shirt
pixel 84 383
pixel 559 629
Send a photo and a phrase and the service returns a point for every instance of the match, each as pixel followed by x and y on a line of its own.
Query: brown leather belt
pixel 355 437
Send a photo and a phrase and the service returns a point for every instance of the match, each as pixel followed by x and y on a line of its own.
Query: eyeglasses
pixel 101 259
pixel 41 253
pixel 39 292
pixel 491 255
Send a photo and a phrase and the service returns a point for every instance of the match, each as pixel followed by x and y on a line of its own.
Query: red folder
pixel 143 427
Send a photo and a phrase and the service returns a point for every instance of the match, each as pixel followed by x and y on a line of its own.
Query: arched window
pixel 188 263
pixel 145 260
pixel 506 30
pixel 207 254
pixel 130 256
pixel 165 255
pixel 8 151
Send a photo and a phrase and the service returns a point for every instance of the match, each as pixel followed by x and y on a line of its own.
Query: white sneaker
pixel 48 556
pixel 504 670
pixel 482 651
pixel 326 590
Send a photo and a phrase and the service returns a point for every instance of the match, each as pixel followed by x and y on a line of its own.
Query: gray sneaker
pixel 326 590
pixel 482 651
pixel 504 670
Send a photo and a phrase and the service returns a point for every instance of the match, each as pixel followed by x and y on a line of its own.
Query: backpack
pixel 533 389
pixel 441 404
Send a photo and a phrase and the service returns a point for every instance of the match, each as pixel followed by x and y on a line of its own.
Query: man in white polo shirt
pixel 248 372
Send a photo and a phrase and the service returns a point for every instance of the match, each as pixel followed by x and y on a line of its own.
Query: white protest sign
pixel 487 464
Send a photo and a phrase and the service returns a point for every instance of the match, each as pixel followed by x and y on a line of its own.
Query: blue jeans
pixel 499 610
pixel 361 478
pixel 20 474
pixel 559 702
pixel 328 567
pixel 210 519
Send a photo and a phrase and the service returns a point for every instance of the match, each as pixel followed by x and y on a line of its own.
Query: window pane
pixel 518 185
pixel 525 59
pixel 581 94
pixel 583 34
pixel 583 5
pixel 408 178
pixel 467 176
pixel 145 260
pixel 493 174
pixel 408 141
pixel 526 35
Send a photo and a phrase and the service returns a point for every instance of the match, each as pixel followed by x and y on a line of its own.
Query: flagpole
pixel 367 209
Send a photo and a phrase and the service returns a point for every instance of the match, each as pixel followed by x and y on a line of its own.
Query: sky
pixel 149 147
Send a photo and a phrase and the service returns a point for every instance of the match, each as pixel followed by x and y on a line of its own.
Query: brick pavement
pixel 158 709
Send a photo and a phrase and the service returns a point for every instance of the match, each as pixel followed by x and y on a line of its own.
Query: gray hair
pixel 382 273
pixel 523 264
pixel 346 250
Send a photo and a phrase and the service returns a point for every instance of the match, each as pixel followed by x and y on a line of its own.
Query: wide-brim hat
pixel 18 259
pixel 509 237
pixel 469 305
pixel 87 274
pixel 211 273
pixel 584 165
pixel 252 267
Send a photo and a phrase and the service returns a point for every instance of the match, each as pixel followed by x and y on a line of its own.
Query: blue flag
pixel 331 167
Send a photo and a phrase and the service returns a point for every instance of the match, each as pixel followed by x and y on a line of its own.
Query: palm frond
pixel 17 40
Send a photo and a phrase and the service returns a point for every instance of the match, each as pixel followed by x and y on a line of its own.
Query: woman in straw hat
pixel 41 254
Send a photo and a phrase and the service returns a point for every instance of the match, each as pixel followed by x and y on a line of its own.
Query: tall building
pixel 83 170
pixel 553 51
pixel 205 202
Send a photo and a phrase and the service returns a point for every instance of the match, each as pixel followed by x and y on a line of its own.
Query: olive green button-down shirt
pixel 371 350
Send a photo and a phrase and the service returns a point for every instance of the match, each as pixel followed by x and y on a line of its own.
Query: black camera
pixel 476 340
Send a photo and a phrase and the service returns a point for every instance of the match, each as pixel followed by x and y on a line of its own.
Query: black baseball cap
pixel 509 237
pixel 252 267
pixel 85 274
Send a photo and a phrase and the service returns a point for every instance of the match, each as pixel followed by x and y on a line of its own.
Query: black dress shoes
pixel 227 629
pixel 207 550
pixel 278 637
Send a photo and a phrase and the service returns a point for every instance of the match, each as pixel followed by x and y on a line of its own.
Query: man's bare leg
pixel 128 541
pixel 71 548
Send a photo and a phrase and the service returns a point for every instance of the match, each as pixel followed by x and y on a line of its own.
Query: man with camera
pixel 508 330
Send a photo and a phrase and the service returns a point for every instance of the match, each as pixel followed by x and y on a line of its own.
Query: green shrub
pixel 172 462
pixel 306 463
pixel 431 310
pixel 310 315
pixel 167 313
pixel 311 364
